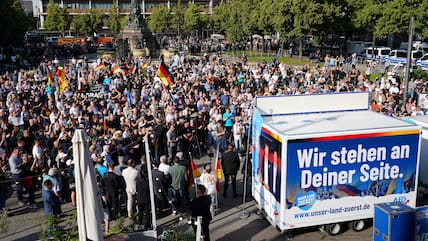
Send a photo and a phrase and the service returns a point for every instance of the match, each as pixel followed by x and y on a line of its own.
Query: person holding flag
pixel 61 77
pixel 164 75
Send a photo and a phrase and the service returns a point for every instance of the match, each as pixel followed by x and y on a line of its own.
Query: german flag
pixel 218 174
pixel 192 172
pixel 62 81
pixel 164 74
pixel 100 66
pixel 50 78
pixel 116 69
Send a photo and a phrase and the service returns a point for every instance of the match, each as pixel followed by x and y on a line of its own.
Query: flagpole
pixel 191 169
pixel 244 213
pixel 149 174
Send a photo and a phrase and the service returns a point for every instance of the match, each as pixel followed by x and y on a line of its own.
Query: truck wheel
pixel 358 225
pixel 334 228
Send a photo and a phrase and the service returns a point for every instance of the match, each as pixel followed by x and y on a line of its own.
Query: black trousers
pixel 228 177
pixel 205 230
pixel 113 206
pixel 144 217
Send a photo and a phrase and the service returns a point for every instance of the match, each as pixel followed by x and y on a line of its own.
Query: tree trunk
pixel 373 47
pixel 300 49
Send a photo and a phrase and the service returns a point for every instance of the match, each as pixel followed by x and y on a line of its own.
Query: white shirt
pixel 209 181
pixel 164 168
pixel 130 175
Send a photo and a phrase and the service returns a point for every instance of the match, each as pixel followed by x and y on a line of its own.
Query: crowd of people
pixel 205 110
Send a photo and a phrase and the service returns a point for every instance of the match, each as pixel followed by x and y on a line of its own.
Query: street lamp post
pixel 409 59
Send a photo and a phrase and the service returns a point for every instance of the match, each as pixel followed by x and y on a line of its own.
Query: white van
pixel 379 53
pixel 400 56
pixel 423 62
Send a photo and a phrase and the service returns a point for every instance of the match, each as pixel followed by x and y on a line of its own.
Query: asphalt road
pixel 24 223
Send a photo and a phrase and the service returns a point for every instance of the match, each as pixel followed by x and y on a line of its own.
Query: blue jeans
pixel 17 179
pixel 178 199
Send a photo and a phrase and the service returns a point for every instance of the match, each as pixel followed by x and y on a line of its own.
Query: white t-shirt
pixel 130 175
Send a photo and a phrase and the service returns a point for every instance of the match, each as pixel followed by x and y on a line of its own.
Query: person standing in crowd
pixel 159 184
pixel 238 134
pixel 143 197
pixel 230 163
pixel 112 184
pixel 209 181
pixel 106 155
pixel 51 202
pixel 220 137
pixel 171 137
pixel 15 164
pixel 130 175
pixel 164 166
pixel 200 206
pixel 179 183
pixel 28 175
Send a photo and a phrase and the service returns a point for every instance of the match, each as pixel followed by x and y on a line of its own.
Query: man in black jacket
pixel 230 163
pixel 143 198
pixel 112 184
pixel 159 187
pixel 200 206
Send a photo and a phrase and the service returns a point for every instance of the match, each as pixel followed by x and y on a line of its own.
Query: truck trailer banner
pixel 360 168
pixel 267 172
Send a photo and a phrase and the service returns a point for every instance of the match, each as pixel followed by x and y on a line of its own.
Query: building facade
pixel 75 7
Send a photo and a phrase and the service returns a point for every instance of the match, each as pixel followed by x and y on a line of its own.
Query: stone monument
pixel 140 40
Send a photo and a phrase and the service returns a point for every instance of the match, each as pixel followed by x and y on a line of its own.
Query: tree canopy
pixel 13 22
pixel 57 18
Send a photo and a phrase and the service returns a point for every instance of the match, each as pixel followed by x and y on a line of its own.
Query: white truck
pixel 423 165
pixel 325 160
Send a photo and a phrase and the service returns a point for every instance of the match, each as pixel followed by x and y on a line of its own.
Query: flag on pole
pixel 218 174
pixel 100 66
pixel 50 78
pixel 164 74
pixel 116 69
pixel 62 81
pixel 192 173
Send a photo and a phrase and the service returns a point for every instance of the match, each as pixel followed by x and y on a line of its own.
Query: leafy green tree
pixel 87 24
pixel 57 18
pixel 234 18
pixel 192 18
pixel 81 24
pixel 219 14
pixel 396 16
pixel 273 16
pixel 97 20
pixel 311 16
pixel 114 21
pixel 13 22
pixel 177 19
pixel 160 19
